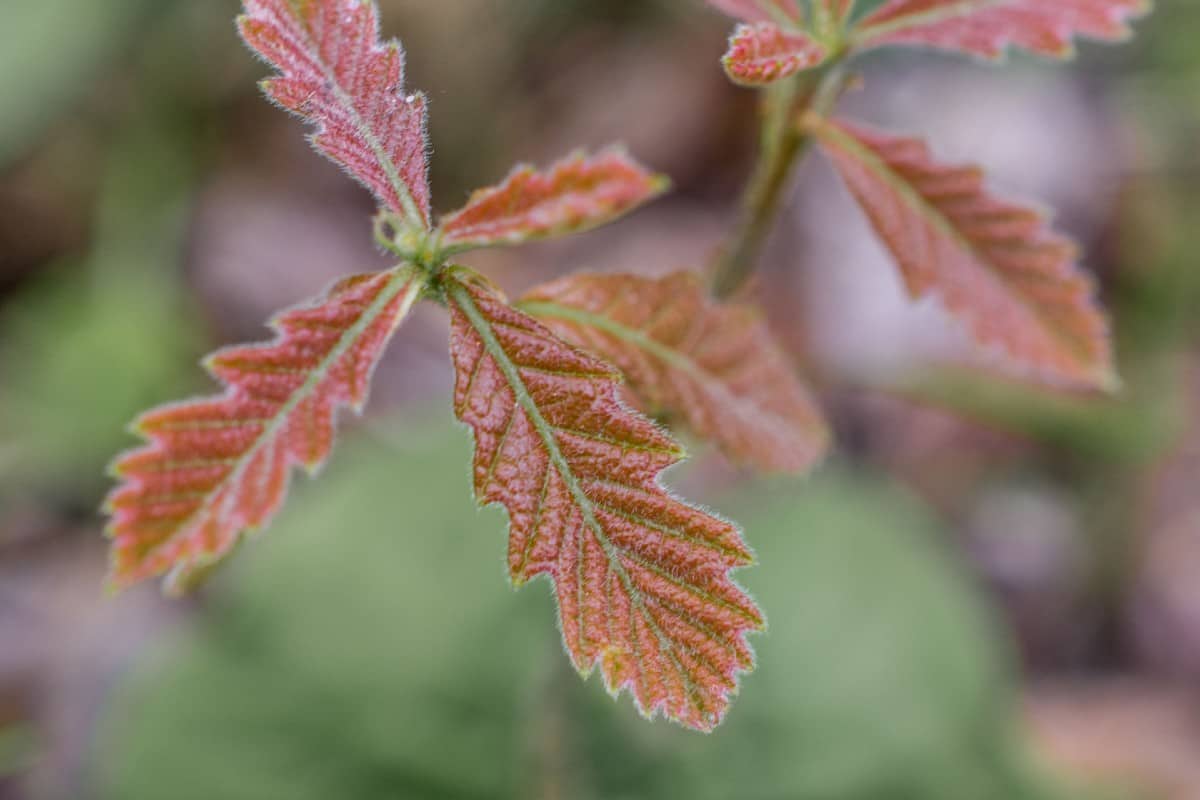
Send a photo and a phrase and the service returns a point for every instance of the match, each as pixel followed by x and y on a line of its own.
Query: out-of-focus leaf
pixel 838 10
pixel 576 194
pixel 995 264
pixel 715 365
pixel 334 72
pixel 763 53
pixel 49 51
pixel 878 678
pixel 89 344
pixel 17 749
pixel 787 11
pixel 217 467
pixel 987 28
pixel 642 579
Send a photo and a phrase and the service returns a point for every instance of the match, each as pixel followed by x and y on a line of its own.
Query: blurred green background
pixel 989 592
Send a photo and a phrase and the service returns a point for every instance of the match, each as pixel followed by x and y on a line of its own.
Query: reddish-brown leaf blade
pixel 216 467
pixel 987 28
pixel 334 72
pixel 716 366
pixel 997 265
pixel 782 11
pixel 764 53
pixel 576 194
pixel 642 579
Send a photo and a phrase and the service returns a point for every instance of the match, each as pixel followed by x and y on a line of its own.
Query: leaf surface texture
pixel 715 365
pixel 763 53
pixel 642 579
pixel 335 73
pixel 995 264
pixel 217 467
pixel 987 28
pixel 576 194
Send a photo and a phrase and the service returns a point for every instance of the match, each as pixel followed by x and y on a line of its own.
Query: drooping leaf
pixel 334 72
pixel 217 467
pixel 575 194
pixel 642 579
pixel 995 264
pixel 764 53
pixel 783 11
pixel 717 366
pixel 986 28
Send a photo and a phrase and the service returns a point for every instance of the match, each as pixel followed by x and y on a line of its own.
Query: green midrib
pixel 416 219
pixel 462 298
pixel 673 358
pixel 920 205
pixel 402 278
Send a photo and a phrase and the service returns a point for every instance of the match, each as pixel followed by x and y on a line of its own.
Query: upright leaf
pixel 715 365
pixel 995 264
pixel 217 467
pixel 576 194
pixel 642 579
pixel 781 11
pixel 986 28
pixel 764 53
pixel 334 72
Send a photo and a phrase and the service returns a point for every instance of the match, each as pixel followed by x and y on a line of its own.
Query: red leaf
pixel 642 579
pixel 219 466
pixel 764 53
pixel 782 11
pixel 995 264
pixel 576 194
pixel 985 28
pixel 334 73
pixel 716 365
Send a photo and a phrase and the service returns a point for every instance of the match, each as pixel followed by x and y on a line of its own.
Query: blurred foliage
pixel 50 50
pixel 98 337
pixel 371 647
pixel 110 332
pixel 17 748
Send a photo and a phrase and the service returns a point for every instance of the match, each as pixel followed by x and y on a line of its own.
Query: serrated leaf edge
pixel 637 338
pixel 176 580
pixel 458 294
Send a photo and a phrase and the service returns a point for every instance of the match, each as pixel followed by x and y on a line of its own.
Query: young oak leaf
pixel 995 264
pixel 763 53
pixel 217 467
pixel 576 194
pixel 642 579
pixel 986 28
pixel 334 72
pixel 715 365
pixel 781 11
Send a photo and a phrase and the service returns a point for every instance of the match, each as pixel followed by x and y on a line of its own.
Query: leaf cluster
pixel 549 385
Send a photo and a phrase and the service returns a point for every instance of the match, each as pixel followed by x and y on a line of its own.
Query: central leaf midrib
pixel 385 160
pixel 496 351
pixel 925 208
pixel 401 278
pixel 671 357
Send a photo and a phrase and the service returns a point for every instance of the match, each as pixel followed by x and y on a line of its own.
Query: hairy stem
pixel 784 141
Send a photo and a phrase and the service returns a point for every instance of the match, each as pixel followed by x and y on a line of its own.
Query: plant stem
pixel 783 142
